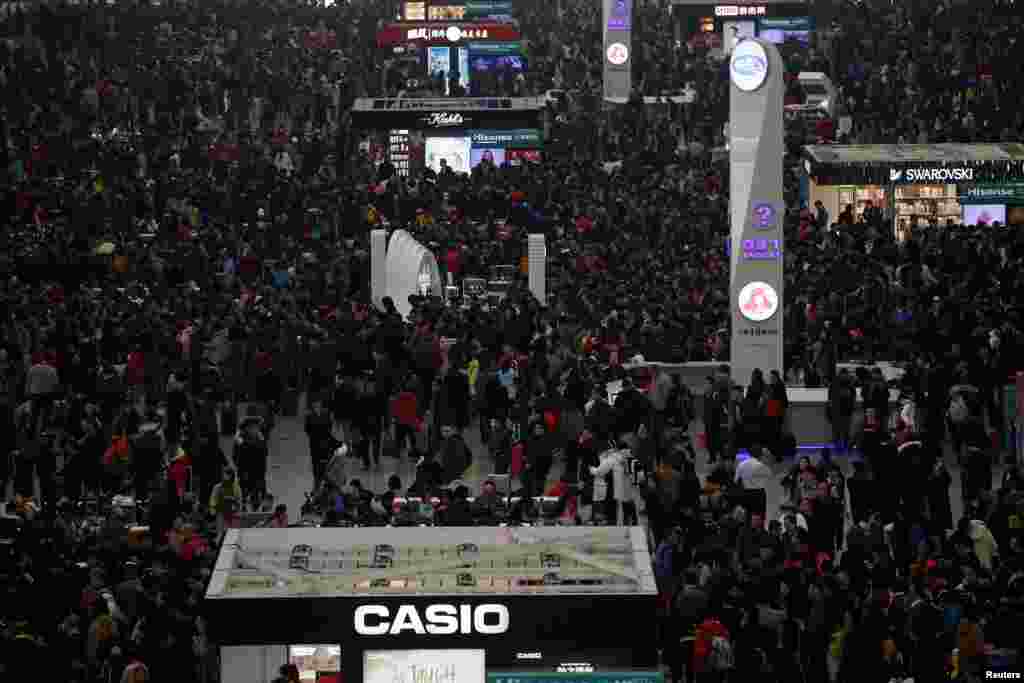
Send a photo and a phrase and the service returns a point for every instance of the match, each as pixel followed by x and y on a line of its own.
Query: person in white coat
pixel 621 501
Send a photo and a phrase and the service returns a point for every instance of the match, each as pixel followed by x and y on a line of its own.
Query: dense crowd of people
pixel 187 230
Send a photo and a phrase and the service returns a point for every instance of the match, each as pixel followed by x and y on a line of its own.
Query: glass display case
pixel 924 202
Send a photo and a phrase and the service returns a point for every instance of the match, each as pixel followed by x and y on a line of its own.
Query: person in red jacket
pixel 406 418
pixel 707 631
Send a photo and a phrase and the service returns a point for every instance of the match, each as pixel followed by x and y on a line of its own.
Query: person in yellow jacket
pixel 473 372
pixel 226 500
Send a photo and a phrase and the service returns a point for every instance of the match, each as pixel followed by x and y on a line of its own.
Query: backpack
pixel 722 657
pixel 958 410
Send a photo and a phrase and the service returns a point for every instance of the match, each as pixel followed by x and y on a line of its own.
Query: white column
pixel 378 267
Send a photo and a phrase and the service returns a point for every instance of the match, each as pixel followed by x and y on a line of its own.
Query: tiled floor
pixel 290 475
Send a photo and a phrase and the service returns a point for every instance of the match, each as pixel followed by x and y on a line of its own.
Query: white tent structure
pixel 410 268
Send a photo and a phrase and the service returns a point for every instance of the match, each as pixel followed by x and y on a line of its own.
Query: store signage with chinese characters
pixel 446 13
pixel 762 250
pixel 444 119
pixel 621 15
pixel 414 32
pixel 398 151
pixel 436 620
pixel 941 174
pixel 452 34
pixel 759 332
pixel 740 10
pixel 415 11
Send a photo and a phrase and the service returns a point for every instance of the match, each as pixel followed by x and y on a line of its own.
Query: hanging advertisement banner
pixel 618 46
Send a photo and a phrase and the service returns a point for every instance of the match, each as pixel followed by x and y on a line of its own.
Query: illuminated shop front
pixel 457 39
pixel 917 186
pixel 436 605
pixel 418 133
pixel 721 25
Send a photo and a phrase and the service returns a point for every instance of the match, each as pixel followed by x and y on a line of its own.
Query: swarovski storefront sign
pixel 941 174
pixel 757 208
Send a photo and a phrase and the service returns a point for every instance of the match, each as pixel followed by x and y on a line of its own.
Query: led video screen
pixel 984 214
pixel 424 666
pixel 454 150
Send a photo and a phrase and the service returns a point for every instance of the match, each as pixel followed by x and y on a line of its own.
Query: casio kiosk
pixel 435 605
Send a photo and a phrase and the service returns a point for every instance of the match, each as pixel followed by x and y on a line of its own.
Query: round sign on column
pixel 758 301
pixel 618 54
pixel 748 67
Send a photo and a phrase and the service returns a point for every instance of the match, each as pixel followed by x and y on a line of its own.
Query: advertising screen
pixel 984 214
pixel 464 67
pixel 781 35
pixel 454 150
pixel 734 31
pixel 495 154
pixel 438 60
pixel 517 156
pixel 492 62
pixel 424 666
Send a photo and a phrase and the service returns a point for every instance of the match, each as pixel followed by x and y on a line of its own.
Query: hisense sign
pixel 1010 193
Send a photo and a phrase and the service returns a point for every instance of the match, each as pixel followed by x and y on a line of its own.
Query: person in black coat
pixel 367 419
pixel 539 458
pixel 632 407
pixel 321 440
pixel 940 510
pixel 453 399
pixel 251 455
pixel 496 404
